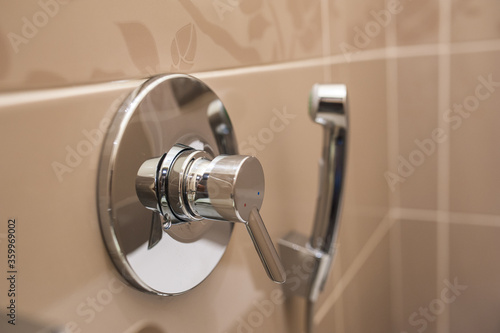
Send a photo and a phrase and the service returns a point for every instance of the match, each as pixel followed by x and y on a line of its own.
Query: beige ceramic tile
pixel 418 22
pixel 474 266
pixel 61 256
pixel 357 26
pixel 51 43
pixel 417 90
pixel 333 322
pixel 475 20
pixel 367 299
pixel 418 272
pixel 474 155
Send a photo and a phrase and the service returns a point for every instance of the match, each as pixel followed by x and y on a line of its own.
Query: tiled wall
pixel 447 208
pixel 64 66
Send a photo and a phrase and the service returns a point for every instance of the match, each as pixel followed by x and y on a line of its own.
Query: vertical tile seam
pixel 443 186
pixel 395 272
pixel 326 40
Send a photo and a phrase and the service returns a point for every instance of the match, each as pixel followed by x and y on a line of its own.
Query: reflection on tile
pixel 145 54
pixel 474 263
pixel 417 116
pixel 474 155
pixel 410 28
pixel 475 20
pixel 418 256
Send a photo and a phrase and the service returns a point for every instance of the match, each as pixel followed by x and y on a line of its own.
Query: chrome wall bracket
pixel 169 175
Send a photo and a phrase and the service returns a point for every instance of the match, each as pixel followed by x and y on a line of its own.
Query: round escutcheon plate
pixel 165 110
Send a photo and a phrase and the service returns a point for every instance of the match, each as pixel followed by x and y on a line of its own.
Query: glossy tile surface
pixel 474 154
pixel 417 91
pixel 83 42
pixel 371 280
pixel 474 265
pixel 357 26
pixel 475 20
pixel 418 270
pixel 417 22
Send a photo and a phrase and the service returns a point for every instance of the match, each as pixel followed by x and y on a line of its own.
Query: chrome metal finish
pixel 222 128
pixel 169 170
pixel 328 107
pixel 226 188
pixel 265 247
pixel 165 111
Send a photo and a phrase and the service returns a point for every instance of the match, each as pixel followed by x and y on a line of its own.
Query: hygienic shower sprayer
pixel 327 107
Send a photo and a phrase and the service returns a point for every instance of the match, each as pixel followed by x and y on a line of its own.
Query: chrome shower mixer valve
pixel 189 185
pixel 172 186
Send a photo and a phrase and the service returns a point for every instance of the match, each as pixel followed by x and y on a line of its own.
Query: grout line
pixel 422 50
pixel 392 98
pixel 25 97
pixel 376 237
pixel 428 215
pixel 443 186
pixel 395 52
pixel 36 95
pixel 396 274
pixel 484 220
pixel 325 29
pixel 475 47
pixel 415 214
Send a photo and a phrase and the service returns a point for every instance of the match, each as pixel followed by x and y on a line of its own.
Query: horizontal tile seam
pixel 34 96
pixel 423 50
pixel 429 215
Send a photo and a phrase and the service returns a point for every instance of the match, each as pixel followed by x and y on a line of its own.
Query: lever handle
pixel 186 185
pixel 265 248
